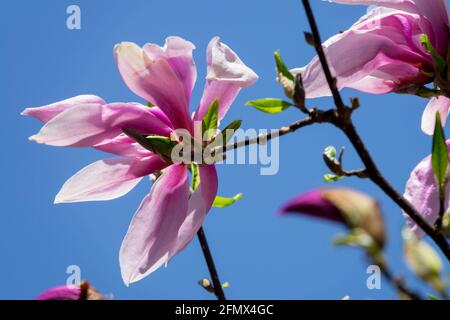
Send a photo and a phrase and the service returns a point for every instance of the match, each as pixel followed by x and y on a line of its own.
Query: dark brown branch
pixel 217 285
pixel 316 116
pixel 398 283
pixel 344 122
pixel 440 219
pixel 317 42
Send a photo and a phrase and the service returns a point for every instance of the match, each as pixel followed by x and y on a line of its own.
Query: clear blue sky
pixel 260 254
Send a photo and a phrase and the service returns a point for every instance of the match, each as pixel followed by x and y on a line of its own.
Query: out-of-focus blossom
pixel 383 53
pixel 422 191
pixel 351 208
pixel 423 260
pixel 169 216
pixel 84 291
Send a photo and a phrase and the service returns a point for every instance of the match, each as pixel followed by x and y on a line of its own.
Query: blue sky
pixel 260 254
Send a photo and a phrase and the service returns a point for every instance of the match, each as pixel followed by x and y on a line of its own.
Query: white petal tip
pixel 34 138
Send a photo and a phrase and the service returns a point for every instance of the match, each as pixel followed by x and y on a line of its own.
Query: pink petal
pixel 391 57
pixel 108 179
pixel 48 112
pixel 441 105
pixel 61 293
pixel 88 125
pixel 227 74
pixel 123 145
pixel 421 191
pixel 178 53
pixel 154 228
pixel 200 203
pixel 313 203
pixel 154 80
pixel 434 16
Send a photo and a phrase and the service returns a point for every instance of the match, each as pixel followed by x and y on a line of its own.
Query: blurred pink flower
pixel 382 53
pixel 169 216
pixel 83 291
pixel 422 191
pixel 355 210
pixel 314 204
pixel 61 293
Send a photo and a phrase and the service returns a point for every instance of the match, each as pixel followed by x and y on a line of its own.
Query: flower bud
pixel 446 224
pixel 355 210
pixel 423 260
pixel 83 291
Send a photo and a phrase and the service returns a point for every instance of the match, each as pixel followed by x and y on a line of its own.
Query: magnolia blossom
pixel 351 208
pixel 61 293
pixel 314 204
pixel 169 216
pixel 382 52
pixel 83 291
pixel 422 191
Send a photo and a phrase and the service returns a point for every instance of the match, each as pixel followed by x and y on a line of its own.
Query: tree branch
pixel 344 122
pixel 398 283
pixel 217 285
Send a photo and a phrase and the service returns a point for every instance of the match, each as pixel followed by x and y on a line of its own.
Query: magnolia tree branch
pixel 398 283
pixel 341 118
pixel 217 285
pixel 345 123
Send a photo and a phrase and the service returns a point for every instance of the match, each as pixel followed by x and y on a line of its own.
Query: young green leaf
pixel 225 285
pixel 331 177
pixel 195 182
pixel 155 143
pixel 439 154
pixel 226 134
pixel 270 105
pixel 161 145
pixel 211 119
pixel 229 130
pixel 281 67
pixel 150 105
pixel 438 60
pixel 220 202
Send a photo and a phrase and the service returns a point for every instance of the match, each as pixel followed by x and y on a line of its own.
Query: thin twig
pixel 264 138
pixel 217 285
pixel 398 283
pixel 440 219
pixel 361 173
pixel 318 45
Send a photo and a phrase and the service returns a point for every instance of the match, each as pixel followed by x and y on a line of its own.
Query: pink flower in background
pixel 382 52
pixel 440 104
pixel 83 291
pixel 61 293
pixel 353 209
pixel 422 191
pixel 314 204
pixel 169 216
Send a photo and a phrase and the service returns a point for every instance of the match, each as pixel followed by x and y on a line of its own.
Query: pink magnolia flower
pixel 61 293
pixel 382 52
pixel 169 216
pixel 422 191
pixel 355 210
pixel 314 204
pixel 83 291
